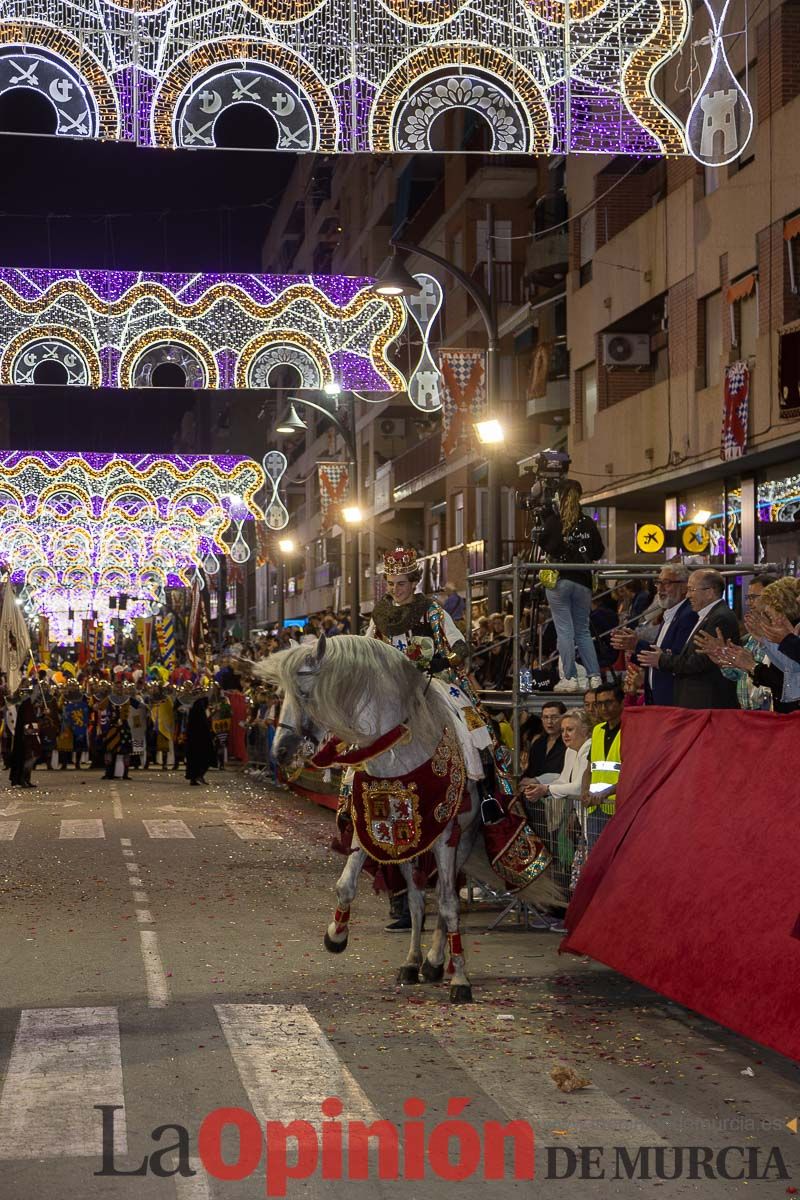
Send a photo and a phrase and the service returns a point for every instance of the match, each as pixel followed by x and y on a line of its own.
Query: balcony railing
pixel 420 458
pixel 507 280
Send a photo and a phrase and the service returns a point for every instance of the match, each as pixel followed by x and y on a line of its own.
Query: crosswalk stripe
pixel 92 828
pixel 8 830
pixel 254 831
pixel 583 1113
pixel 286 1064
pixel 168 829
pixel 63 1062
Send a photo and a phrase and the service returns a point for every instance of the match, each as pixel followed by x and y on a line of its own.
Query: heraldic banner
pixel 334 482
pixel 463 395
pixel 735 410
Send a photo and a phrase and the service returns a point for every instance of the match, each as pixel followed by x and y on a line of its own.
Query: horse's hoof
pixel 408 974
pixel 432 973
pixel 334 947
pixel 460 993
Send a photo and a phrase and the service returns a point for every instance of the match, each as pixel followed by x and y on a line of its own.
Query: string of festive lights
pixel 116 328
pixel 79 528
pixel 342 76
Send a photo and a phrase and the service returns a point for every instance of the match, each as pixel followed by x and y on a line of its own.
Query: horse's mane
pixel 359 674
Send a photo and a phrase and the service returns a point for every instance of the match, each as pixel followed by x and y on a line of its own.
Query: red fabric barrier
pixel 692 889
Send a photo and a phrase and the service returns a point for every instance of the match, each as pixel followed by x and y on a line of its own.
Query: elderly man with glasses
pixel 678 620
pixel 699 682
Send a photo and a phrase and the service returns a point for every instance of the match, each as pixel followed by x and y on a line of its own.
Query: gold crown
pixel 399 561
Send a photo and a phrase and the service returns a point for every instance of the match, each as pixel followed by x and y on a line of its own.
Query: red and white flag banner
pixel 334 483
pixel 463 395
pixel 735 411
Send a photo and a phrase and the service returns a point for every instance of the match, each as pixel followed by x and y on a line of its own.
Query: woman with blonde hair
pixel 778 606
pixel 570 536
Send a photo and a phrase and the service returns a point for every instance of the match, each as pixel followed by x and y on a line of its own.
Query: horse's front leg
pixel 337 932
pixel 460 986
pixel 409 972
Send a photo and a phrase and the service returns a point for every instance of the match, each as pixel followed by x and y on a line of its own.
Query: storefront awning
pixel 741 288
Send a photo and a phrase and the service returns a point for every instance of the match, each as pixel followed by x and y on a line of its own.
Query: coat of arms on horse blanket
pixel 397 819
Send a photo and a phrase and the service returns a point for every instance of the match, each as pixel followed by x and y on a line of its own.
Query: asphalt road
pixel 162 952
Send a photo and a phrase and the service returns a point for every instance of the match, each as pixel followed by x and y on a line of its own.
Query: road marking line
pixel 286 1064
pixel 125 841
pixel 584 1113
pixel 140 897
pixel 195 1188
pixel 8 830
pixel 127 853
pixel 144 916
pixel 131 867
pixel 254 831
pixel 63 1062
pixel 157 987
pixel 135 881
pixel 168 829
pixel 116 803
pixel 91 828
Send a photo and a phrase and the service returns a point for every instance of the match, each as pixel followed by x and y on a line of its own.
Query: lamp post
pixel 293 424
pixel 286 547
pixel 394 279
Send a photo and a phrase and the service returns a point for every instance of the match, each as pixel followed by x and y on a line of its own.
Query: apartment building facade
pixel 685 280
pixel 340 216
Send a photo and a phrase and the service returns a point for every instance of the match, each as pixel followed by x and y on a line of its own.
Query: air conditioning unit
pixel 626 349
pixel 392 427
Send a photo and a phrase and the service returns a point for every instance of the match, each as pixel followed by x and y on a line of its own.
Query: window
pixel 712 319
pixel 747 324
pixel 435 537
pixel 587 398
pixel 458 522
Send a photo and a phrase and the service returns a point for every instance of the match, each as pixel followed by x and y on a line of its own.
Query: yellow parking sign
pixel 649 539
pixel 695 538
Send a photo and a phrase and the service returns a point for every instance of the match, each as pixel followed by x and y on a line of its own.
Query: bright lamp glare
pixel 332 388
pixel 701 516
pixel 490 432
pixel 286 545
pixel 352 514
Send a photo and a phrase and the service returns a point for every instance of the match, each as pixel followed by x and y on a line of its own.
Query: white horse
pixel 358 689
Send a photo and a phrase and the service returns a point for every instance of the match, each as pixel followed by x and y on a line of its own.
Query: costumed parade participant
pixel 138 720
pixel 26 744
pixel 201 752
pixel 118 738
pixel 74 735
pixel 418 627
pixel 220 713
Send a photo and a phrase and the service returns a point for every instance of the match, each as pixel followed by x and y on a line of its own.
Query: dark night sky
pixel 119 206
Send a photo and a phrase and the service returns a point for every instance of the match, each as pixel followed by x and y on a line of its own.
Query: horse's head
pixel 295 672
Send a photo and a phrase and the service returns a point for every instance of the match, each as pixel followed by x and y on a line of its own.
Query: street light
pixel 286 546
pixel 352 514
pixel 490 433
pixel 294 423
pixel 394 279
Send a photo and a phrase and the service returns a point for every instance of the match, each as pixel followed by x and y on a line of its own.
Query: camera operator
pixel 569 535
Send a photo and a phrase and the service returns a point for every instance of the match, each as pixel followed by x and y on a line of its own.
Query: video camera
pixel 549 468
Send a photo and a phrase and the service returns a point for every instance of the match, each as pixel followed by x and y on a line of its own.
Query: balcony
pixel 423 457
pixel 548 254
pixel 507 281
pixel 556 394
pixel 499 176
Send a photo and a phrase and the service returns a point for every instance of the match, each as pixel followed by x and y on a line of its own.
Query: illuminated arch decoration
pixel 47 59
pixel 75 528
pixel 349 75
pixel 114 328
pixel 479 79
pixel 36 344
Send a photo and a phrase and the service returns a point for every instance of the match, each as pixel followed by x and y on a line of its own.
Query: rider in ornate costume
pixel 418 626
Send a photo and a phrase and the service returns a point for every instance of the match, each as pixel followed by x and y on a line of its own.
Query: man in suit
pixel 698 682
pixel 678 620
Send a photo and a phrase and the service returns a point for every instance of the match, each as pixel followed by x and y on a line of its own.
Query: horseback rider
pixel 418 626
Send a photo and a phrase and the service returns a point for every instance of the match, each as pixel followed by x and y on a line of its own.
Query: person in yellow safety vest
pixel 599 791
